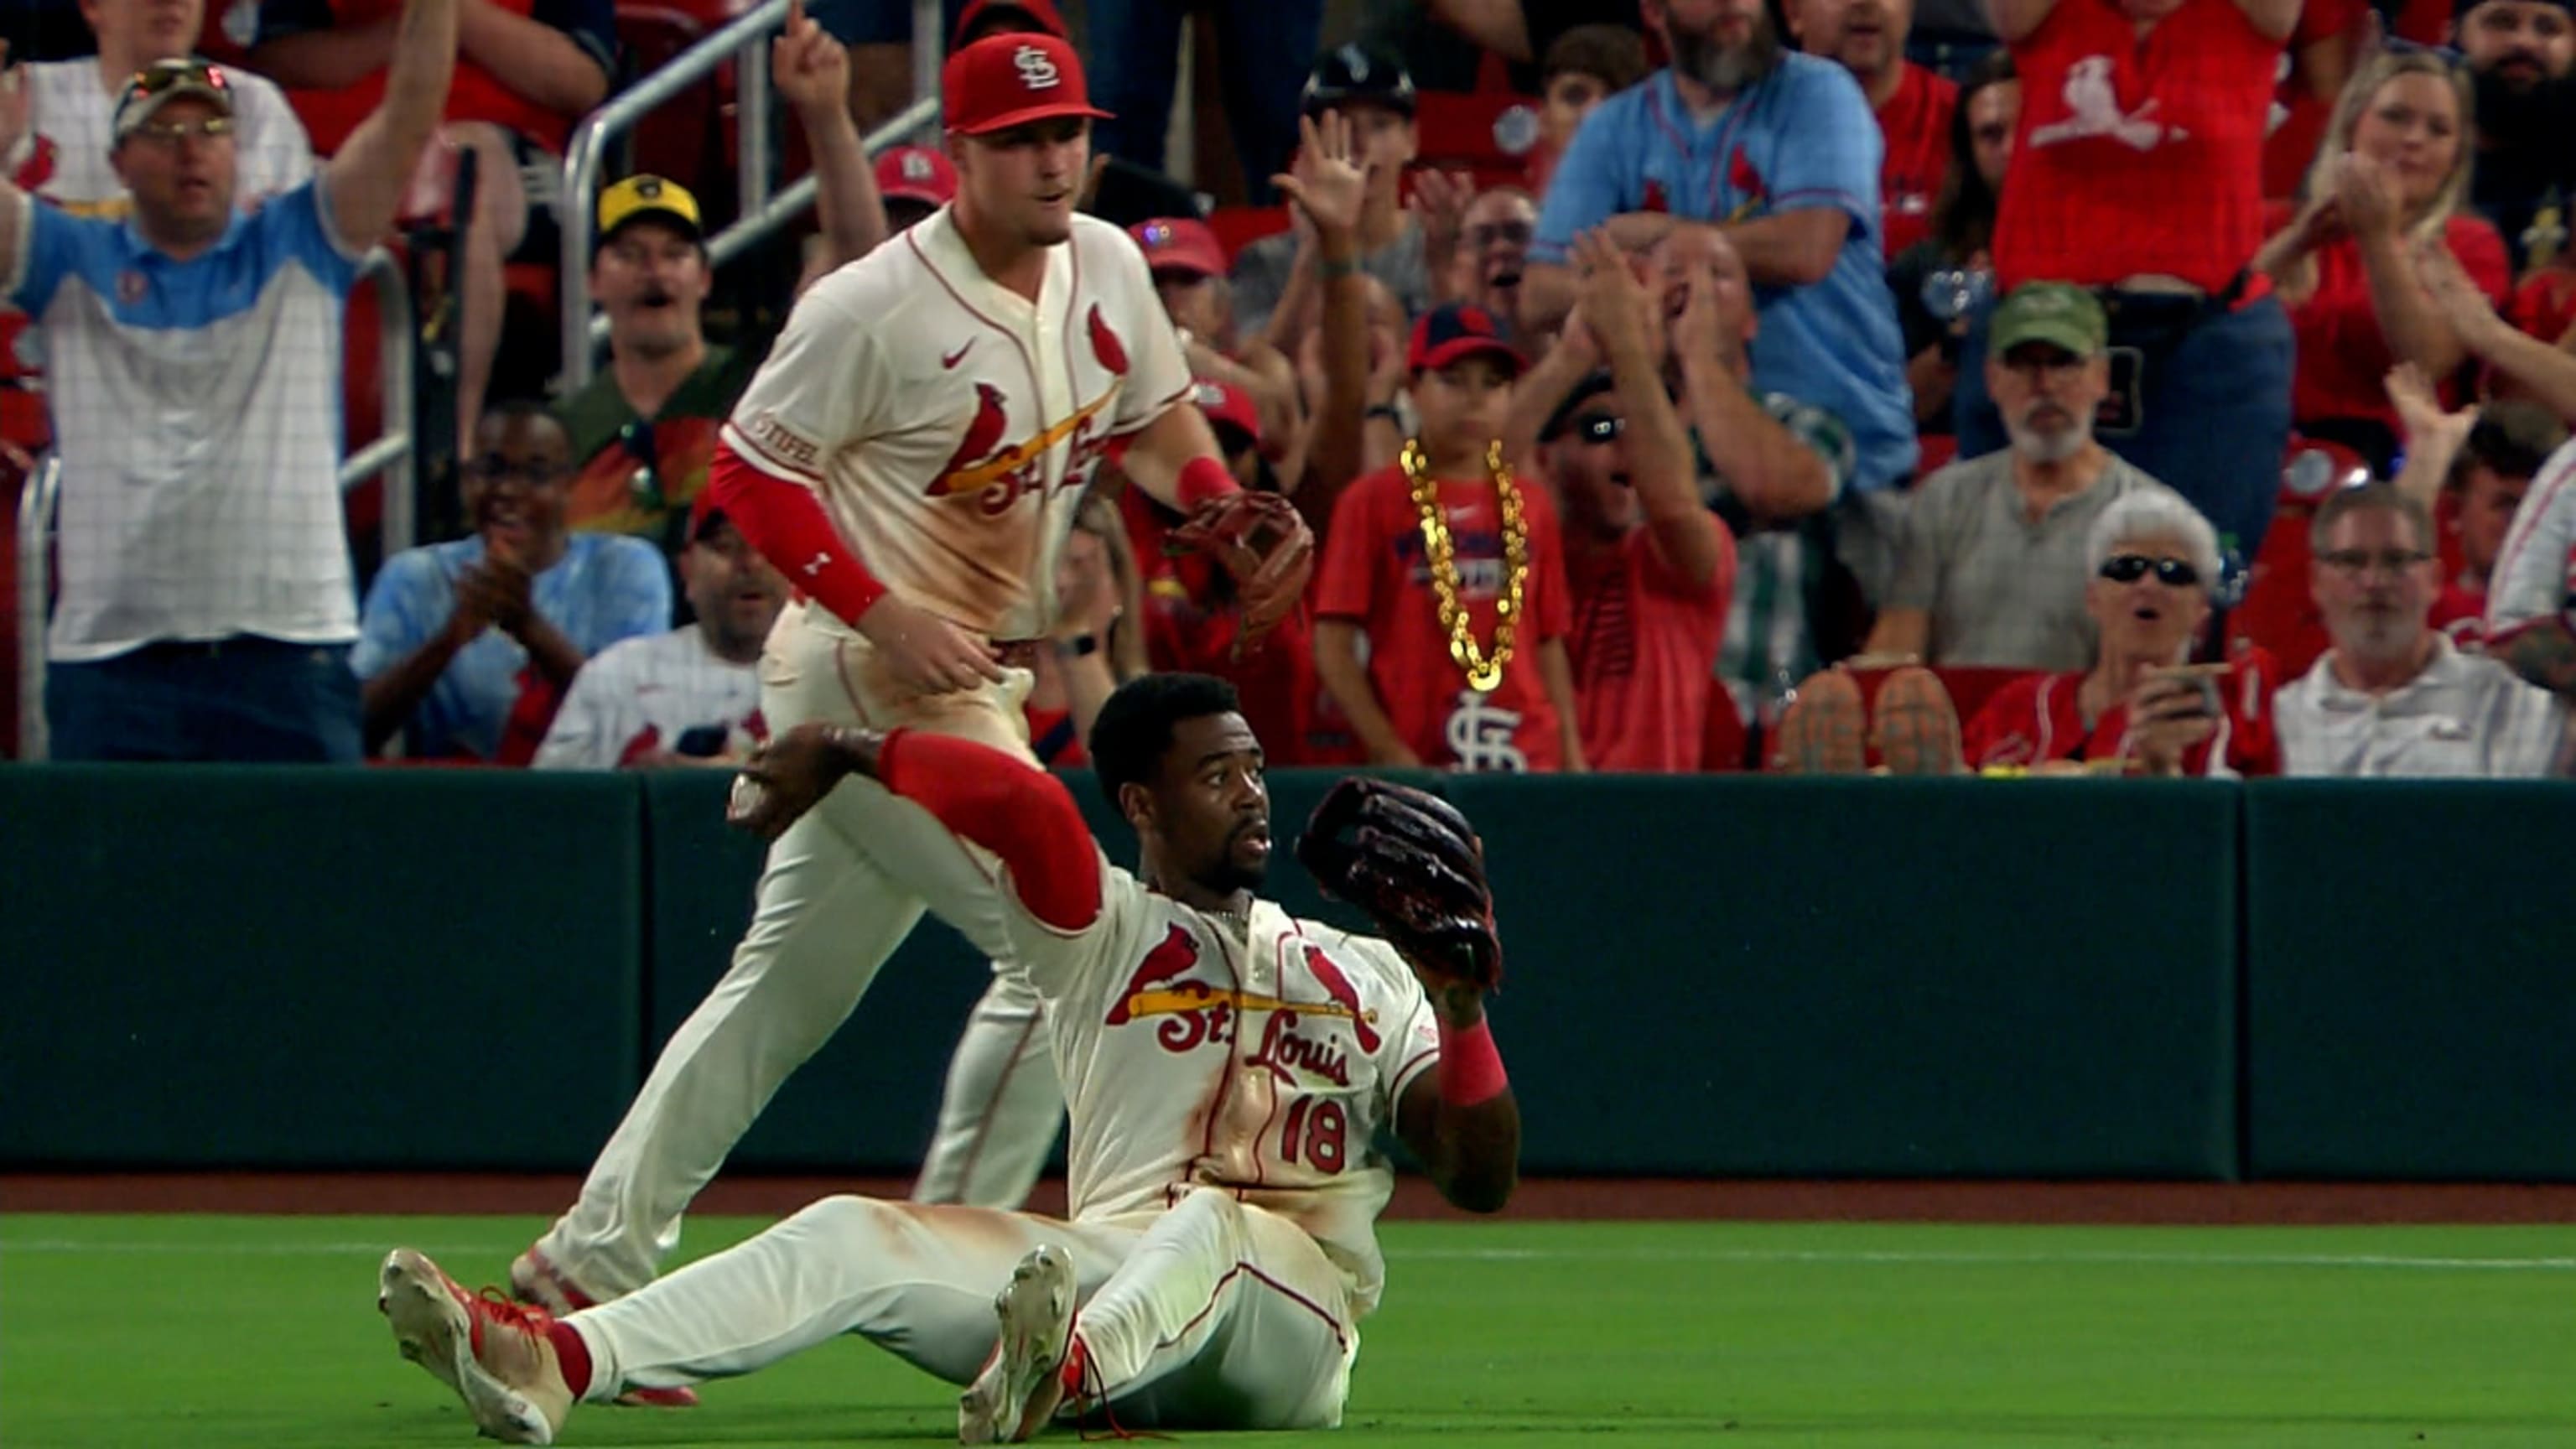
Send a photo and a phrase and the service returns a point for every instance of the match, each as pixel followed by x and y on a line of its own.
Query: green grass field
pixel 222 1333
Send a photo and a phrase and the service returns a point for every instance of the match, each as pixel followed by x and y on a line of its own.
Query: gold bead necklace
pixel 1484 669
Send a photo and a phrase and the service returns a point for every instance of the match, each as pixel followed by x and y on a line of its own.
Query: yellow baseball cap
pixel 656 198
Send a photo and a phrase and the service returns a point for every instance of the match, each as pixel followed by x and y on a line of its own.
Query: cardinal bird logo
pixel 1106 346
pixel 1747 182
pixel 1347 997
pixel 983 434
pixel 39 167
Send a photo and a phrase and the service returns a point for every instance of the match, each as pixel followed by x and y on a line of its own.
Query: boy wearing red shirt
pixel 1451 568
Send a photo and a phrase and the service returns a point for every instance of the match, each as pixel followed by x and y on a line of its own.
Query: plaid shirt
pixel 1769 645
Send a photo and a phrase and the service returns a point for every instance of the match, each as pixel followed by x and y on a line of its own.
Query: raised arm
pixel 812 71
pixel 1685 535
pixel 1019 813
pixel 1329 187
pixel 365 182
pixel 2546 373
pixel 2274 19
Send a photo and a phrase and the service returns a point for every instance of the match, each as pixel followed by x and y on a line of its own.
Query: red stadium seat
pixel 2278 613
pixel 1237 227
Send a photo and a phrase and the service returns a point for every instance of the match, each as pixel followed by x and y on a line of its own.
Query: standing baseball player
pixel 1228 1069
pixel 910 457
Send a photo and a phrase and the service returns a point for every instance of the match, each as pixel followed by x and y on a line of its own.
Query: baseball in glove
pixel 1414 864
pixel 1266 549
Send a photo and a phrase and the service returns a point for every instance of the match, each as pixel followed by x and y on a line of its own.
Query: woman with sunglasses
pixel 2141 709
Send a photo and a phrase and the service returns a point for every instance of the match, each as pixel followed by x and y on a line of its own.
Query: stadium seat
pixel 1488 132
pixel 1237 227
pixel 2278 613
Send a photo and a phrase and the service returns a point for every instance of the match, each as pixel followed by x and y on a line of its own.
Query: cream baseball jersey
pixel 2535 572
pixel 1262 1056
pixel 949 423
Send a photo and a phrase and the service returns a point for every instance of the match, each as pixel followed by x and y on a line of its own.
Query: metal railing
pixel 35 592
pixel 744 38
pixel 757 214
pixel 391 454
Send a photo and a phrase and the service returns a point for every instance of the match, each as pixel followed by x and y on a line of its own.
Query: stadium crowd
pixel 2107 386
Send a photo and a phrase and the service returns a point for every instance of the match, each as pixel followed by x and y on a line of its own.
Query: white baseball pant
pixel 842 889
pixel 1213 1315
pixel 1002 1105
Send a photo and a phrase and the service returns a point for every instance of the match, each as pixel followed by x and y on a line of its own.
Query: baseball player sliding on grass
pixel 911 457
pixel 1228 1068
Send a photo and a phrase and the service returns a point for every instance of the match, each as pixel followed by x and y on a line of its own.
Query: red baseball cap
pixel 1040 14
pixel 1180 244
pixel 1228 406
pixel 916 173
pixel 1003 81
pixel 1459 329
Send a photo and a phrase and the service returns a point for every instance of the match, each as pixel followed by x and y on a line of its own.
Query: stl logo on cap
pixel 916 166
pixel 1037 71
pixel 1208 395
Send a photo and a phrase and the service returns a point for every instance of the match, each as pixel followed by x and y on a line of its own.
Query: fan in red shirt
pixel 2138 172
pixel 1448 570
pixel 1650 569
pixel 2391 174
pixel 1913 104
pixel 1192 626
pixel 2140 709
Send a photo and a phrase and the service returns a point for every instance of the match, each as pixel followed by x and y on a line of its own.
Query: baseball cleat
pixel 1023 1382
pixel 492 1353
pixel 535 1280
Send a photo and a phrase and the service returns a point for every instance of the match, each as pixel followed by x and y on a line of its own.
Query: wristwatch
pixel 1077 647
pixel 1386 411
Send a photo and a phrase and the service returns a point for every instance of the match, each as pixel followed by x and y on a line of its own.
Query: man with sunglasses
pixel 2394 697
pixel 1648 568
pixel 1991 565
pixel 206 604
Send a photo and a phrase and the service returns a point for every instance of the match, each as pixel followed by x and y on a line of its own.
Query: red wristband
pixel 1471 1071
pixel 1203 478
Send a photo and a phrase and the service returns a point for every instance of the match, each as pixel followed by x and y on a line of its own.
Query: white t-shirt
pixel 71 129
pixel 640 695
pixel 1263 1057
pixel 950 424
pixel 2465 717
pixel 2535 572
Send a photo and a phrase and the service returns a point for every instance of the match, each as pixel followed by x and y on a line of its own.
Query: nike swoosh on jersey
pixel 950 360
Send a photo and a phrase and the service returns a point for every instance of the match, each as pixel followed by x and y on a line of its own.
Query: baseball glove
pixel 1414 864
pixel 1266 549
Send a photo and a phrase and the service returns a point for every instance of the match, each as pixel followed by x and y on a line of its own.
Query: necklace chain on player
pixel 1484 668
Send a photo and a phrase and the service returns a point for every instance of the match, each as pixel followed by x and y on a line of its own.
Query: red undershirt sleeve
pixel 786 522
pixel 1021 814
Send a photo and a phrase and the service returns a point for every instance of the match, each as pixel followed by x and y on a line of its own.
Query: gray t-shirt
pixel 2002 590
pixel 1261 275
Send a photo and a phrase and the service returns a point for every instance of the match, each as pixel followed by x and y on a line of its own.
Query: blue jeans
pixel 1264 49
pixel 240 699
pixel 2215 395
